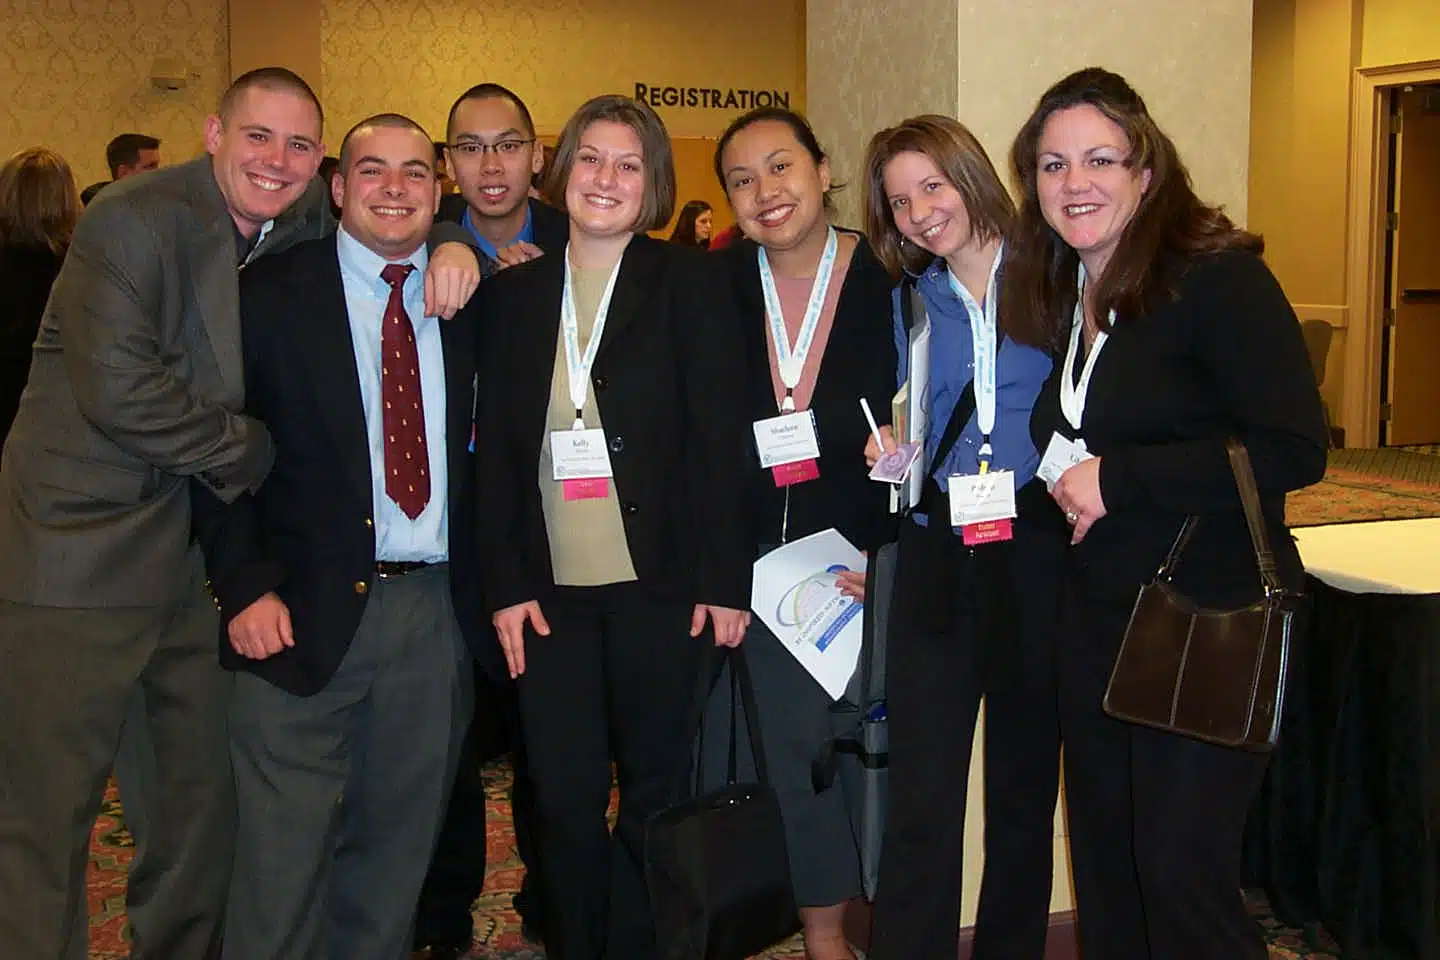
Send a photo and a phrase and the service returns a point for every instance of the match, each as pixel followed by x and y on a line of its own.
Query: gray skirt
pixel 795 721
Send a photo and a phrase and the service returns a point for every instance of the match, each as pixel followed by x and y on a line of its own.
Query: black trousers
pixel 1156 819
pixel 611 684
pixel 457 867
pixel 970 623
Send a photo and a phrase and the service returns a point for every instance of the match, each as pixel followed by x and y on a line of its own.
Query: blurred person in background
pixel 39 205
pixel 694 224
pixel 126 155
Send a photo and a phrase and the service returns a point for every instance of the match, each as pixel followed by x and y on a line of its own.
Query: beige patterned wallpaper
pixel 75 73
pixel 554 53
pixel 870 65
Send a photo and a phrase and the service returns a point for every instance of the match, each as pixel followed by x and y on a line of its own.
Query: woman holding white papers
pixel 612 517
pixel 978 562
pixel 814 325
pixel 1174 337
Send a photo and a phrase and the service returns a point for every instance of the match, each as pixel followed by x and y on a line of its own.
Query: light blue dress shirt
pixel 397 537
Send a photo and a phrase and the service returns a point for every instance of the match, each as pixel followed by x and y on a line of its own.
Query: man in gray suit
pixel 134 393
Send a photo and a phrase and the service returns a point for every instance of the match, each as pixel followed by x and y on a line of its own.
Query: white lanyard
pixel 576 365
pixel 1073 395
pixel 983 335
pixel 791 360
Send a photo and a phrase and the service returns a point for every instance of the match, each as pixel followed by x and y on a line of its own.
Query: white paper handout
pixel 796 595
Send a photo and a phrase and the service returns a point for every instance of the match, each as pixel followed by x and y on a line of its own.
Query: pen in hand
pixel 874 427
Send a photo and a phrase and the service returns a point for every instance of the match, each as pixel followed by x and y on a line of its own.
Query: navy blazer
pixel 308 533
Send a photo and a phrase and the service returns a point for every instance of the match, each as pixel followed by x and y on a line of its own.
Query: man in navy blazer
pixel 347 582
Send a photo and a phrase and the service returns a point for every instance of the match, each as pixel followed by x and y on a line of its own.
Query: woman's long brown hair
pixel 1039 294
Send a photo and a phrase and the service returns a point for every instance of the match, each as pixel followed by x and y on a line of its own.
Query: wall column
pixel 869 66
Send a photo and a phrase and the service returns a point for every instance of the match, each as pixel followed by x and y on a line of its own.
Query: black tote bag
pixel 715 863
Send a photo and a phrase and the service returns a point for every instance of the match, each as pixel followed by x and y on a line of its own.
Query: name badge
pixel 1060 455
pixel 789 447
pixel 581 462
pixel 982 498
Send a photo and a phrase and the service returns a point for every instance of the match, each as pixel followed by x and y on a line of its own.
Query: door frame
pixel 1364 246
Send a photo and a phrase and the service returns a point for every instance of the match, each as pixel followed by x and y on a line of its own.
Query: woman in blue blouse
pixel 979 558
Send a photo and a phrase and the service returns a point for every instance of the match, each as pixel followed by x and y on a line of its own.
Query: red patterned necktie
pixel 407 474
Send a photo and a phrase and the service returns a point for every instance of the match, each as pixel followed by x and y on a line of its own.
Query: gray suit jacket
pixel 135 388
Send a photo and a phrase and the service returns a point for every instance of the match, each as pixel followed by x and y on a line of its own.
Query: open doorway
pixel 1391 394
pixel 1410 334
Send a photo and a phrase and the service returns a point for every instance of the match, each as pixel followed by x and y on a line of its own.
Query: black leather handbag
pixel 1215 675
pixel 716 864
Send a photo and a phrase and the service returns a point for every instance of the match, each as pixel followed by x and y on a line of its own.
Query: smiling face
pixel 389 194
pixel 606 189
pixel 927 209
pixel 264 154
pixel 493 155
pixel 1087 193
pixel 774 184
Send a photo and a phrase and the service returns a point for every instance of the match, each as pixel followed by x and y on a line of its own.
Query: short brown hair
pixel 967 166
pixel 397 121
pixel 267 78
pixel 658 204
pixel 1039 293
pixel 39 202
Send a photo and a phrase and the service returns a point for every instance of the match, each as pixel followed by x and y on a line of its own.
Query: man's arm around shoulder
pixel 110 302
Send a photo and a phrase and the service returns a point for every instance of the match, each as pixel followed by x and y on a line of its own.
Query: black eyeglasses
pixel 509 147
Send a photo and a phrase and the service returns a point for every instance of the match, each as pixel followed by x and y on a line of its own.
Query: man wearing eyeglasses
pixel 492 154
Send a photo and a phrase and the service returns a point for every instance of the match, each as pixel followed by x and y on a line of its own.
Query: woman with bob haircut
pixel 1173 336
pixel 612 523
pixel 39 207
pixel 974 600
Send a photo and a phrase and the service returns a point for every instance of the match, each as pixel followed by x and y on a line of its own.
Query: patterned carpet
pixel 497 928
pixel 1363 485
pixel 1359 485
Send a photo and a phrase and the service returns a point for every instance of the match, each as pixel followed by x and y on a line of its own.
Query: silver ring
pixel 1072 516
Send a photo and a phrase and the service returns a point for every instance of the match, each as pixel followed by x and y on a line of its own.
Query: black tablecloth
pixel 1347 829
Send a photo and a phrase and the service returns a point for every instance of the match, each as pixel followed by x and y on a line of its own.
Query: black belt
pixel 398 568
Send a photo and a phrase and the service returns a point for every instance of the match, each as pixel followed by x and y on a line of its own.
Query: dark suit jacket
pixel 1224 357
pixel 135 387
pixel 666 379
pixel 550 226
pixel 859 361
pixel 308 532
pixel 26 274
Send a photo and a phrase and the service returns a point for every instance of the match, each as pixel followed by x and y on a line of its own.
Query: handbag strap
pixel 710 663
pixel 1254 520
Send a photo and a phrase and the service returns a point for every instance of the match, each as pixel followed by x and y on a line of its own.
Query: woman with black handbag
pixel 977 572
pixel 815 328
pixel 612 521
pixel 1173 337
